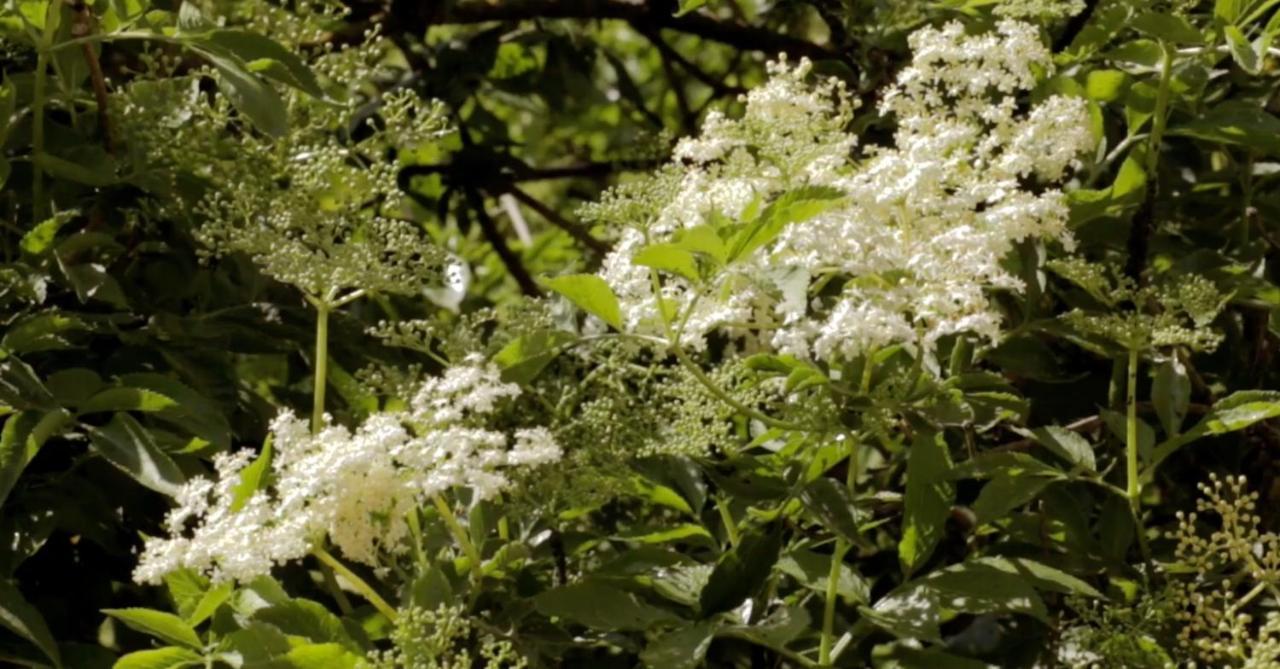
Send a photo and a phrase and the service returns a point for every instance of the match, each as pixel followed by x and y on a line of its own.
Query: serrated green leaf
pixel 251 95
pixel 170 657
pixel 741 571
pixel 23 619
pixel 1167 27
pixel 591 294
pixel 684 648
pixel 670 258
pixel 601 607
pixel 1067 445
pixel 159 624
pixel 831 503
pixel 928 499
pixel 308 619
pixel 264 56
pixel 23 435
pixel 128 445
pixel 127 399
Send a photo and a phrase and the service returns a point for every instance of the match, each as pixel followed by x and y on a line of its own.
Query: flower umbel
pixel 818 252
pixel 355 487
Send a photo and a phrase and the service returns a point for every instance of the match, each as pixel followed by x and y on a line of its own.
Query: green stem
pixel 837 560
pixel 829 608
pixel 37 136
pixel 331 582
pixel 459 534
pixel 356 582
pixel 321 366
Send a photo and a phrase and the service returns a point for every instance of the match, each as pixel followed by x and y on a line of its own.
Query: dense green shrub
pixel 542 333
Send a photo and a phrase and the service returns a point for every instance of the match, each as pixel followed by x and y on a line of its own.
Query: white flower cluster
pixel 355 487
pixel 916 241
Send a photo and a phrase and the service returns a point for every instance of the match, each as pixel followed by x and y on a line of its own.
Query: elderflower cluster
pixel 1236 565
pixel 318 207
pixel 355 487
pixel 892 244
pixel 1144 318
pixel 444 638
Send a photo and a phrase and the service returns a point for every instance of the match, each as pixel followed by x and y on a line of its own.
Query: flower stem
pixel 356 582
pixel 837 558
pixel 321 366
pixel 829 608
pixel 460 534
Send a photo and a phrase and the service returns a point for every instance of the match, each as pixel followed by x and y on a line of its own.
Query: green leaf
pixel 91 281
pixel 813 571
pixel 252 478
pixel 1171 395
pixel 20 388
pixel 687 6
pixel 265 56
pixel 128 445
pixel 524 357
pixel 928 499
pixel 159 624
pixel 322 656
pixel 1241 50
pixel 40 238
pixel 791 207
pixel 683 648
pixel 23 435
pixel 170 657
pixel 601 607
pixel 21 618
pixel 914 609
pixel 899 655
pixel 668 533
pixel 703 240
pixel 741 571
pixel 1167 27
pixel 194 413
pixel 258 642
pixel 1240 410
pixel 1105 85
pixel 1067 445
pixel 591 294
pixel 42 332
pixel 254 98
pixel 308 619
pixel 831 503
pixel 209 602
pixel 1234 412
pixel 126 399
pixel 1005 493
pixel 1228 11
pixel 1042 576
pixel 668 258
pixel 1235 122
pixel 430 590
pixel 187 588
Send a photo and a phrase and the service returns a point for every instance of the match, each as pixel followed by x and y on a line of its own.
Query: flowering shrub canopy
pixel 701 333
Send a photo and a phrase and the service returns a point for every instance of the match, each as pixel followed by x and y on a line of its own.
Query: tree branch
pixel 576 231
pixel 499 243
